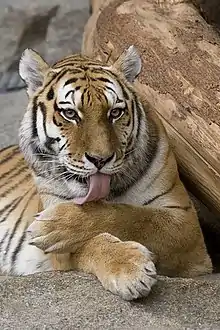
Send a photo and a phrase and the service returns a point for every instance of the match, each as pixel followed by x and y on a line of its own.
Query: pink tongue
pixel 99 187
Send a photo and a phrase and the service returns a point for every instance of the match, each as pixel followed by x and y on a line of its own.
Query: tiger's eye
pixel 70 114
pixel 116 113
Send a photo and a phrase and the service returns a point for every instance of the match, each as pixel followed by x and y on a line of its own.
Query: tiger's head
pixel 82 113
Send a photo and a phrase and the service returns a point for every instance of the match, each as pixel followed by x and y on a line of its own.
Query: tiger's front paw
pixel 50 231
pixel 130 273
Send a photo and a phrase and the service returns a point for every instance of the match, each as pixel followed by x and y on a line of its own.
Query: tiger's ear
pixel 32 69
pixel 129 63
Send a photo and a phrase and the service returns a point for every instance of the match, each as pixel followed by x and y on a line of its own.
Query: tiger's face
pixel 91 121
pixel 82 112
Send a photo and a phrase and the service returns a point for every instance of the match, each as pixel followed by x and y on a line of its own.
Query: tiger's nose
pixel 99 161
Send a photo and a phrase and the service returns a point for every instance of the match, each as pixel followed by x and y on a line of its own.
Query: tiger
pixel 93 185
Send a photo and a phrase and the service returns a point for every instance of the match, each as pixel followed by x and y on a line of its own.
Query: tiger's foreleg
pixel 99 237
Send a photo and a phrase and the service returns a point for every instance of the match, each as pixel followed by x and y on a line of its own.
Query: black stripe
pixel 131 138
pixel 99 70
pixel 18 183
pixel 50 94
pixel 3 240
pixel 68 93
pixel 119 100
pixel 100 94
pixel 131 292
pixel 61 148
pixel 76 61
pixel 56 123
pixel 61 65
pixel 43 111
pixel 34 118
pixel 56 108
pixel 125 93
pixel 9 208
pixel 10 156
pixel 104 80
pixel 40 154
pixel 138 112
pixel 139 117
pixel 17 249
pixel 88 96
pixel 8 147
pixel 11 236
pixel 70 81
pixel 184 208
pixel 55 77
pixel 123 87
pixel 49 140
pixel 138 164
pixel 92 64
pixel 106 99
pixel 12 172
pixel 83 98
pixel 129 118
pixel 162 194
pixel 111 89
pixel 64 102
pixel 145 285
pixel 65 63
pixel 152 144
pixel 83 78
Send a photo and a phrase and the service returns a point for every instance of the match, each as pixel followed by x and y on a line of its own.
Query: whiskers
pixel 53 161
pixel 81 172
pixel 61 177
pixel 55 168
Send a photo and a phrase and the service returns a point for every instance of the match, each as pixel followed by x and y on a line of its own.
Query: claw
pixel 37 216
pixel 51 249
pixel 42 216
pixel 30 228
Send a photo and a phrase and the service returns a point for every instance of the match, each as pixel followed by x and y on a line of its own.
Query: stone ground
pixel 76 301
pixel 72 300
pixel 63 38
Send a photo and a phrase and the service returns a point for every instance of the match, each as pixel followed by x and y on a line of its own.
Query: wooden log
pixel 180 77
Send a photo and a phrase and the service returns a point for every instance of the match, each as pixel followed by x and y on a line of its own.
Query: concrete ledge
pixel 77 301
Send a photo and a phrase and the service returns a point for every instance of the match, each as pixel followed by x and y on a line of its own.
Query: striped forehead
pixel 113 91
pixel 68 93
pixel 70 90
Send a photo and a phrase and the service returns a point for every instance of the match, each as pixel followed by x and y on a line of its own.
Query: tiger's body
pixel 85 122
pixel 19 201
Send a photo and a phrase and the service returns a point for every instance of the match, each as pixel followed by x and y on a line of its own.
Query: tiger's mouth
pixel 99 188
pixel 72 173
pixel 98 185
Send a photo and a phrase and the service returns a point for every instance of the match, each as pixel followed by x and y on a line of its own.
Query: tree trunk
pixel 180 77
